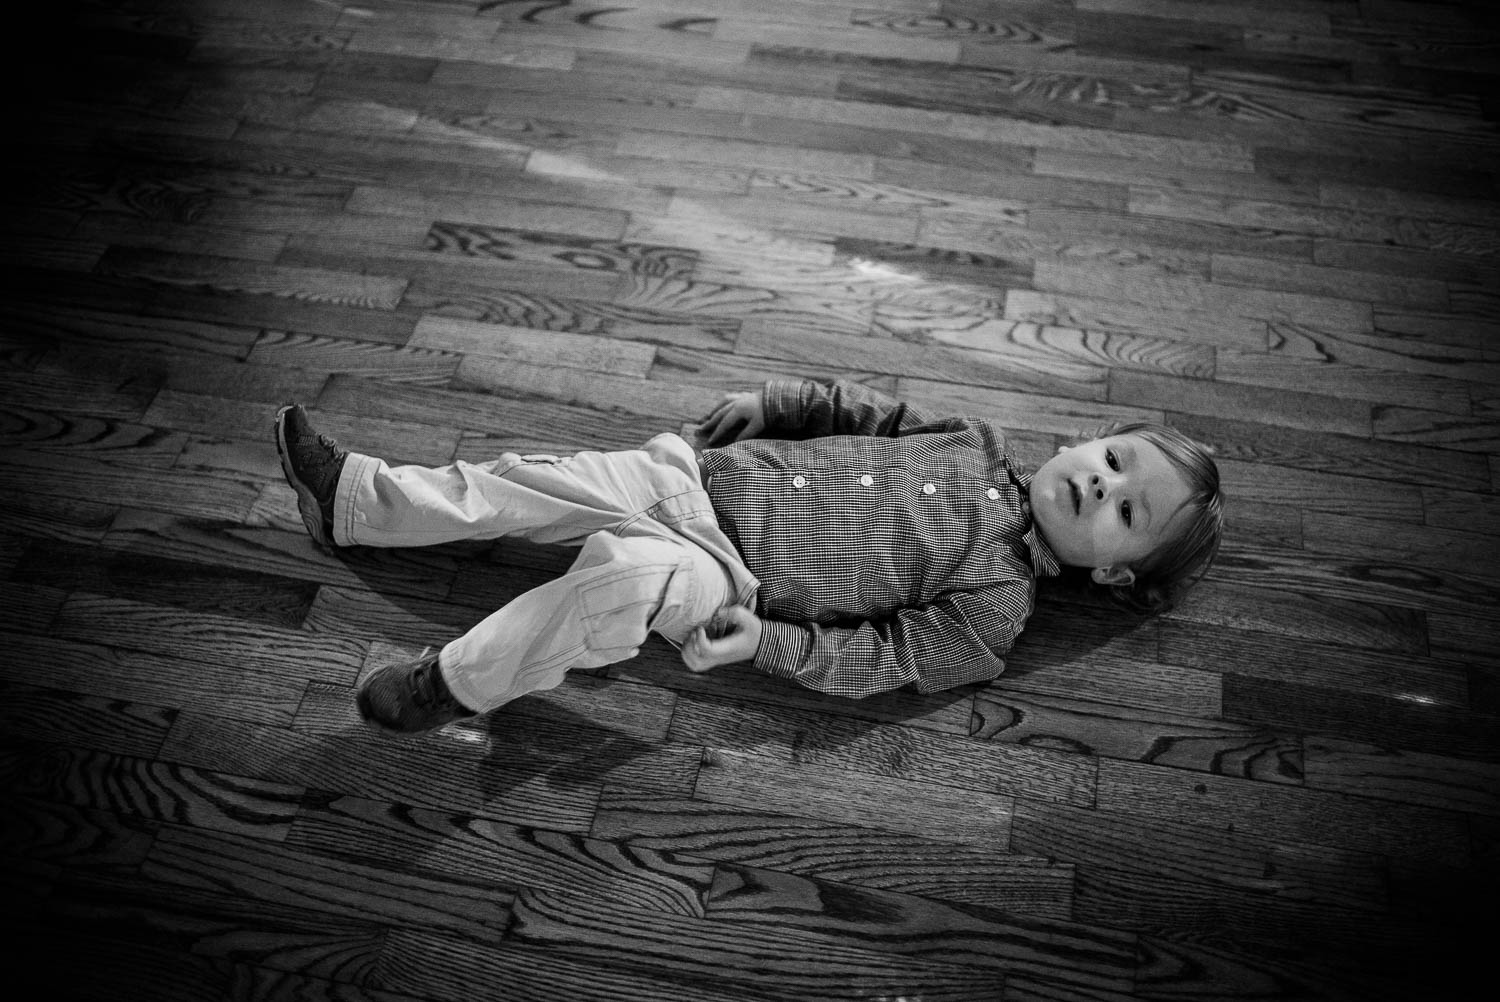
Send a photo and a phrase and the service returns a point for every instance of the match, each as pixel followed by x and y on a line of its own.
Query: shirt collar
pixel 1044 562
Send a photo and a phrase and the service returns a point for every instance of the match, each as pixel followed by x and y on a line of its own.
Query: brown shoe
pixel 410 696
pixel 312 464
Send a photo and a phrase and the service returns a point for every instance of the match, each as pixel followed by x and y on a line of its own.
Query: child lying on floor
pixel 826 533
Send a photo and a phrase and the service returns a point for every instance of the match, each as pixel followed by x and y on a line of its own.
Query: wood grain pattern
pixel 457 228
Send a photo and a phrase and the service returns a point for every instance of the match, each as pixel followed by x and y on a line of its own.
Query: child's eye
pixel 1125 512
pixel 1112 460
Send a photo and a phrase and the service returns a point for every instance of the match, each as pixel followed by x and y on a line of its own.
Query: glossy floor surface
pixel 454 228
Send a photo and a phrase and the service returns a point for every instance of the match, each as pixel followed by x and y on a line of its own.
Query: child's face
pixel 1107 504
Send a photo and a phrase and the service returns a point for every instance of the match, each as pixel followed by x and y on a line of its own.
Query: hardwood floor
pixel 454 227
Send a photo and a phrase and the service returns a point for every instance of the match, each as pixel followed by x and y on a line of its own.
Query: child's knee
pixel 624 588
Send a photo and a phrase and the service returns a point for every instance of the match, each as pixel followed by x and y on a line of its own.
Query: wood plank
pixel 1311 220
pixel 1420 293
pixel 1066 955
pixel 424 264
pixel 1400 722
pixel 337 887
pixel 1277 812
pixel 1462 509
pixel 501 341
pixel 1309 614
pixel 693 951
pixel 61 386
pixel 198 237
pixel 530 974
pixel 184 492
pixel 1436 428
pixel 1098 729
pixel 96 723
pixel 1318 471
pixel 1091 313
pixel 299 316
pixel 1267 655
pixel 1383 350
pixel 1165 175
pixel 228 640
pixel 424 773
pixel 1017 133
pixel 938 174
pixel 99 672
pixel 740 779
pixel 339 612
pixel 579 734
pixel 253 277
pixel 667 405
pixel 1178 292
pixel 1445 553
pixel 864 749
pixel 1405 777
pixel 84 838
pixel 1060 373
pixel 509 856
pixel 153 790
pixel 488 210
pixel 114 440
pixel 838 853
pixel 1350 382
pixel 191 586
pixel 1318 951
pixel 1297 409
pixel 1161 849
pixel 404 364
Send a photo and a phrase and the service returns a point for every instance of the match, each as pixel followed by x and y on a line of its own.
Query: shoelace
pixel 423 692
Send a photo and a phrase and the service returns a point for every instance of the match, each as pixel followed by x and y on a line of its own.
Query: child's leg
pixel 545 499
pixel 600 612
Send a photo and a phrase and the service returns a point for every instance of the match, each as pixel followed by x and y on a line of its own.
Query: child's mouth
pixel 1077 497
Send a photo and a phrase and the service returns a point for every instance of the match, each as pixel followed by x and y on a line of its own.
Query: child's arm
pixel 809 409
pixel 839 408
pixel 957 639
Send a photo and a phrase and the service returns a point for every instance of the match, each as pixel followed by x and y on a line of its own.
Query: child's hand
pixel 732 635
pixel 739 415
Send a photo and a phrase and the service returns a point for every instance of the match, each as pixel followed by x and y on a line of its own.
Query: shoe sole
pixel 307 502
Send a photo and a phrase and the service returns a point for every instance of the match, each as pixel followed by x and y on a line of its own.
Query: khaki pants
pixel 653 557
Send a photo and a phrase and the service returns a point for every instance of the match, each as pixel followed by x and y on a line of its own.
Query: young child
pixel 829 534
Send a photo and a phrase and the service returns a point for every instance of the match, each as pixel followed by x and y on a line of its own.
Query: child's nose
pixel 1100 486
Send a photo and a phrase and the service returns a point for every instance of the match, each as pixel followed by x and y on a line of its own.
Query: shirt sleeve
pixel 839 408
pixel 957 639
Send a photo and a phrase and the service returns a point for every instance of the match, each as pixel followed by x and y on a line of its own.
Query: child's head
pixel 1139 506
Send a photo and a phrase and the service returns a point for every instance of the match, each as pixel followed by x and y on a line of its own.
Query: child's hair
pixel 1166 574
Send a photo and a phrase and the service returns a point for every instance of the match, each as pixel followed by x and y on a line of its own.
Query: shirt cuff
pixel 781 403
pixel 784 648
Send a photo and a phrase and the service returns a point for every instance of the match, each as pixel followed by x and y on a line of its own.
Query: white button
pixel 799 481
pixel 866 481
pixel 929 489
pixel 992 494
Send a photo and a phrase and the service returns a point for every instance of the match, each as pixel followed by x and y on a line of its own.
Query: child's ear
pixel 1118 574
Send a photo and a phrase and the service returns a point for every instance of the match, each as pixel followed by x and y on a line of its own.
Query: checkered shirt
pixel 892 547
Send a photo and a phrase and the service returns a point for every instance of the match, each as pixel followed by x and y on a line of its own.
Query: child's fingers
pixel 727 431
pixel 716 414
